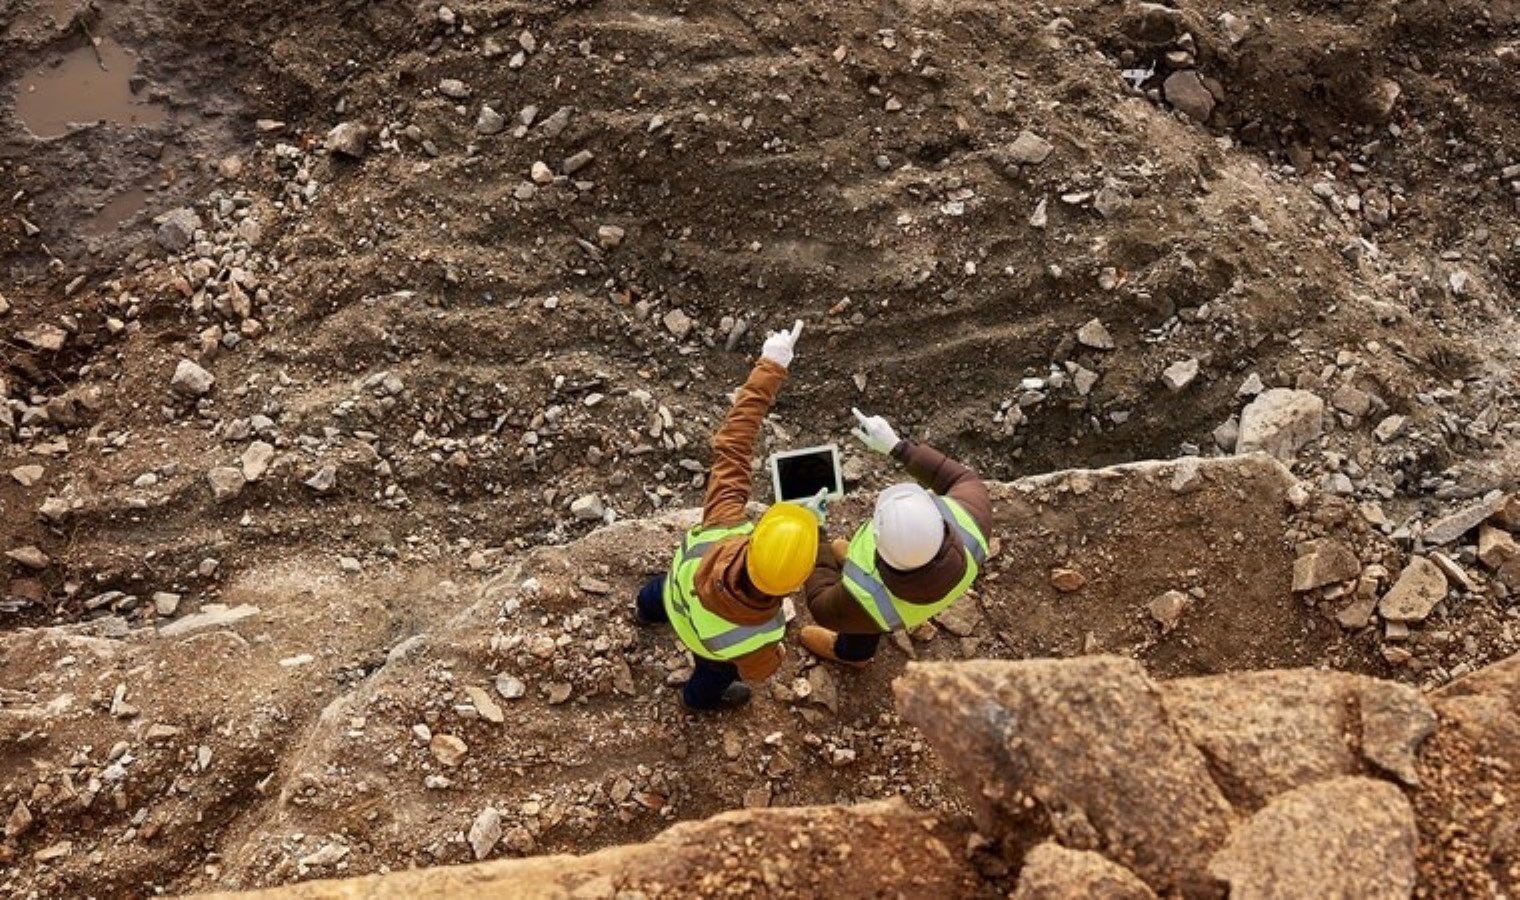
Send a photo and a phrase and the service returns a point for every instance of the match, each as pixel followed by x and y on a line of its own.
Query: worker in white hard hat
pixel 922 549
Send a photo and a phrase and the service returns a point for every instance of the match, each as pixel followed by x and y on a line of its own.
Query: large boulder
pixel 1269 732
pixel 1053 872
pixel 1085 745
pixel 805 852
pixel 1347 837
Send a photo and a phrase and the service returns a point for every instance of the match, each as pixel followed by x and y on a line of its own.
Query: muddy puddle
pixel 117 211
pixel 88 85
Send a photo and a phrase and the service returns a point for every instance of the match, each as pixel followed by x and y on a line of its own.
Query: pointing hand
pixel 875 432
pixel 780 345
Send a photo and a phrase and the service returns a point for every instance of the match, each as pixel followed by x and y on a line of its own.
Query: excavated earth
pixel 357 361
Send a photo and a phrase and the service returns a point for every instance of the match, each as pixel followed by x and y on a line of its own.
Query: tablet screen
pixel 801 475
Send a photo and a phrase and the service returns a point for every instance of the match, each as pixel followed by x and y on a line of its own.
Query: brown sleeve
pixel 829 603
pixel 729 484
pixel 760 664
pixel 826 573
pixel 948 478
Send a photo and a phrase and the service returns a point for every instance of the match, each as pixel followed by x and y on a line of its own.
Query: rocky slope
pixel 1093 780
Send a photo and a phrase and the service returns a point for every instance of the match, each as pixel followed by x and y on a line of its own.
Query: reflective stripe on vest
pixel 719 639
pixel 972 542
pixel 871 592
pixel 885 609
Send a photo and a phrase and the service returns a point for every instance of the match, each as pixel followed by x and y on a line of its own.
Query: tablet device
pixel 800 474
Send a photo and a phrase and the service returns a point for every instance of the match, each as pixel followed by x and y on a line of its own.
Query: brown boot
pixel 820 642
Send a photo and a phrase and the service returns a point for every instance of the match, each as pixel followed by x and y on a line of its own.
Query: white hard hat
pixel 908 527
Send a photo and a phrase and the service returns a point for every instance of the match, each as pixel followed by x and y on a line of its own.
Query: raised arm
pixel 931 468
pixel 730 484
pixel 948 478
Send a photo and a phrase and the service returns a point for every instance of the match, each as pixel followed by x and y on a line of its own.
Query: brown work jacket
pixel 723 586
pixel 833 607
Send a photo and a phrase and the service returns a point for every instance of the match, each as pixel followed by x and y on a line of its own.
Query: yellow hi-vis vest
pixel 704 632
pixel 891 613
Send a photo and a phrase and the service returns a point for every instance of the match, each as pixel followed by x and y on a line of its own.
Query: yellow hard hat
pixel 783 549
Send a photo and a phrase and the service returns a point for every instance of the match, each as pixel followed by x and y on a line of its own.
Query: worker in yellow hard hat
pixel 724 589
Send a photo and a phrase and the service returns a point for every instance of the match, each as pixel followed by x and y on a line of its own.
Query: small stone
pixel 556 124
pixel 1095 335
pixel 1234 28
pixel 325 479
pixel 28 476
pixel 29 557
pixel 1188 476
pixel 1496 547
pixel 509 687
pixel 594 586
pixel 226 483
pixel 1029 149
pixel 190 380
pixel 678 324
pixel 1450 528
pixel 1180 374
pixel 177 228
pixel 5 305
pixel 588 508
pixel 1281 422
pixel 448 749
pixel 1326 562
pixel 577 161
pixel 1227 435
pixel 484 705
pixel 541 173
pixel 1084 381
pixel 1251 386
pixel 1067 581
pixel 490 121
pixel 46 337
pixel 1454 573
pixel 1421 586
pixel 348 565
pixel 348 139
pixel 1384 95
pixel 559 692
pixel 256 460
pixel 1167 609
pixel 454 89
pixel 1389 428
pixel 485 832
pixel 1351 401
pixel 326 855
pixel 166 604
pixel 1357 614
pixel 1185 90
pixel 20 821
pixel 211 615
pixel 1508 515
pixel 1041 215
pixel 609 236
pixel 961 619
pixel 57 851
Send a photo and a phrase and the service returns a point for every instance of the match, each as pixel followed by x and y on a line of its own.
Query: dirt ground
pixel 466 326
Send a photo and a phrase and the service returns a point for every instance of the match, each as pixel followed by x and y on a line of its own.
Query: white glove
pixel 780 345
pixel 818 505
pixel 875 432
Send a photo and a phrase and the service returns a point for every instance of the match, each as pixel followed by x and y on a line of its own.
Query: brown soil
pixel 847 163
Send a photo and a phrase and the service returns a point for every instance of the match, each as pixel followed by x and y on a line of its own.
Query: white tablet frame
pixel 833 451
